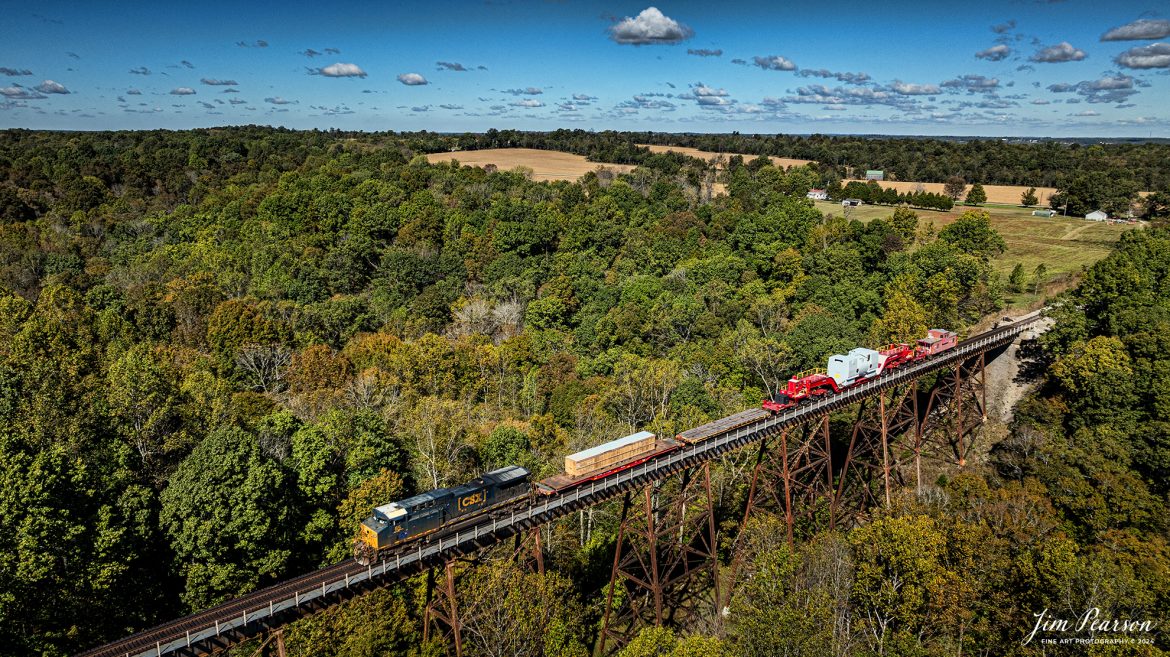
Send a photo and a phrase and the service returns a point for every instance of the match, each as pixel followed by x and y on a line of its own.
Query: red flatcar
pixel 894 355
pixel 812 383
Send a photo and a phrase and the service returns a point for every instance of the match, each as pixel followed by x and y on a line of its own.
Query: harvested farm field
pixel 707 155
pixel 558 165
pixel 545 165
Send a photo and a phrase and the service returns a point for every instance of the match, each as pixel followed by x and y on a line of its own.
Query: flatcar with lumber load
pixel 606 455
pixel 606 459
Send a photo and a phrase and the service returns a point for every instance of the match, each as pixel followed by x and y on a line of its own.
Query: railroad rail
pixel 276 605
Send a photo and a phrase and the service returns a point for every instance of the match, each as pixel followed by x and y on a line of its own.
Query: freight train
pixel 427 513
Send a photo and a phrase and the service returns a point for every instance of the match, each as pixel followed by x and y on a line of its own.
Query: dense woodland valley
pixel 219 348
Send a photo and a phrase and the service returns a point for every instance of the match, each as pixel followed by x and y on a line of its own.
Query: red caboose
pixel 936 341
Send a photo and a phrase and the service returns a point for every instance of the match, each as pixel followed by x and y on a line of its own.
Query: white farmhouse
pixel 1097 215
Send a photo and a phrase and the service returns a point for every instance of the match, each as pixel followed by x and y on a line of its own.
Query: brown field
pixel 545 165
pixel 556 165
pixel 707 155
pixel 1004 194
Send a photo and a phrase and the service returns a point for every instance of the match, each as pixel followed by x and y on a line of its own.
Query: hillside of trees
pixel 220 348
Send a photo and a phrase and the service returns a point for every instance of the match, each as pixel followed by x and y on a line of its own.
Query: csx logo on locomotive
pixel 474 499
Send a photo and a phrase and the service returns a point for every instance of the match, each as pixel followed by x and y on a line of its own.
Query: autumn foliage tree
pixel 904 319
pixel 954 186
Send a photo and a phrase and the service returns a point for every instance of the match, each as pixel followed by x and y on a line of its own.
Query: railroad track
pixel 156 637
pixel 236 618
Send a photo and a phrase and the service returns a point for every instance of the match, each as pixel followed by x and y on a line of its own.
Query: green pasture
pixel 1064 245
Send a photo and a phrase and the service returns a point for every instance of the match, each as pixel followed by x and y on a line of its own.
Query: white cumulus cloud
pixel 50 87
pixel 17 92
pixel 910 89
pixel 412 79
pixel 182 91
pixel 774 63
pixel 1145 28
pixel 650 27
pixel 994 53
pixel 972 83
pixel 702 90
pixel 842 76
pixel 1155 55
pixel 1107 89
pixel 342 70
pixel 1061 52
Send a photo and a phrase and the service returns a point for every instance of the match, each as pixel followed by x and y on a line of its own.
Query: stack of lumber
pixel 609 454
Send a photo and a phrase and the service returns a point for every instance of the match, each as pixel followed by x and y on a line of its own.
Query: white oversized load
pixel 857 364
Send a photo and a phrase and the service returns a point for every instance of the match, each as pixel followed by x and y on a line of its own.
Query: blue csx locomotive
pixel 427 512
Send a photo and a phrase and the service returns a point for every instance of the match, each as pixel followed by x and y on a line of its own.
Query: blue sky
pixel 994 68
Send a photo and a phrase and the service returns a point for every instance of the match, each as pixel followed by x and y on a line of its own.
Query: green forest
pixel 220 348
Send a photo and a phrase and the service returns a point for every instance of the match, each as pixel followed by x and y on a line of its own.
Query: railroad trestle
pixel 820 465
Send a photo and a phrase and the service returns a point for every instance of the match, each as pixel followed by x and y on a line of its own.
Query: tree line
pixel 871 192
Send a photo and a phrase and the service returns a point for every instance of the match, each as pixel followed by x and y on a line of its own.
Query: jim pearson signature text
pixel 1090 621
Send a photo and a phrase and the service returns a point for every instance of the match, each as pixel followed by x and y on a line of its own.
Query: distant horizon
pixel 1060 69
pixel 867 135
